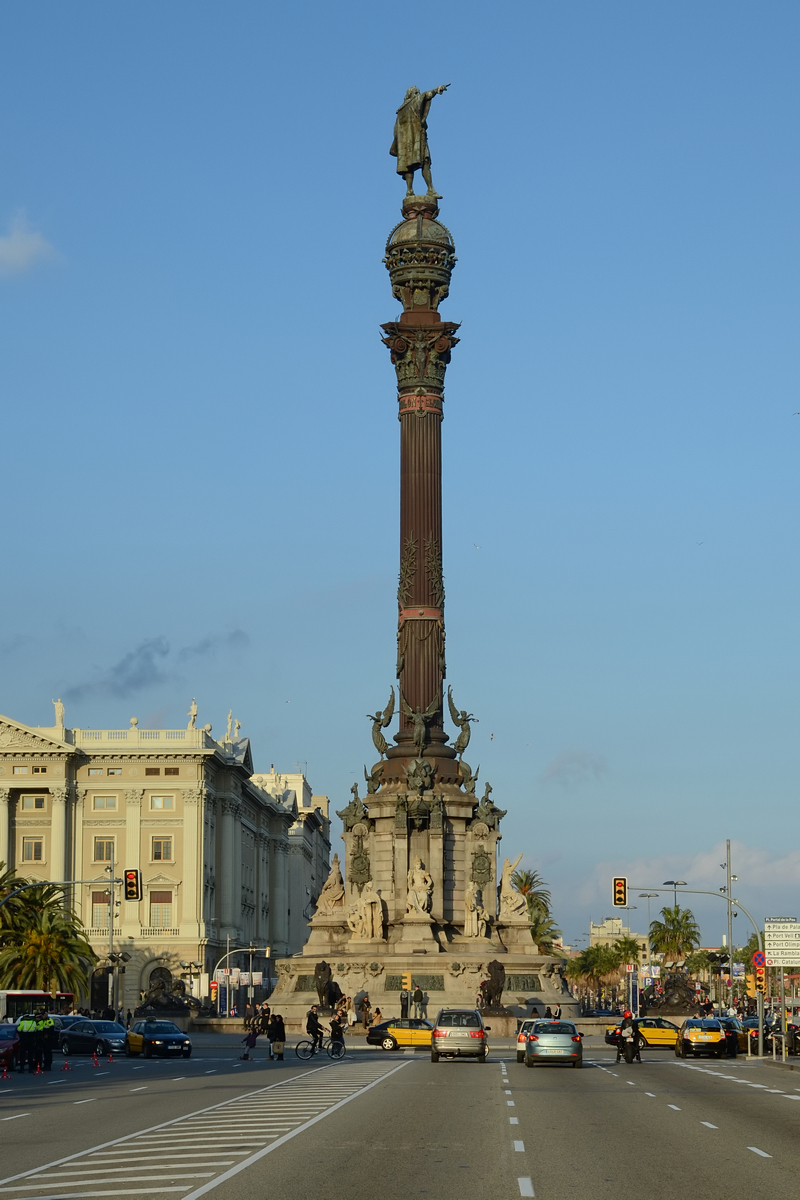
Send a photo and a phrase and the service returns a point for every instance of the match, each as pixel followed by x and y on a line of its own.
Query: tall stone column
pixel 58 833
pixel 5 831
pixel 192 900
pixel 262 887
pixel 279 894
pixel 81 894
pixel 420 256
pixel 231 846
pixel 238 921
pixel 130 920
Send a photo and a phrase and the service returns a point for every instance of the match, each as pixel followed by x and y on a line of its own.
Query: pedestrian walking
pixel 404 999
pixel 350 1010
pixel 278 1036
pixel 418 999
pixel 365 1010
pixel 249 1040
pixel 557 1012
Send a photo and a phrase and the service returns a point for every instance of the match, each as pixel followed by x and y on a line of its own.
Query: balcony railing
pixel 156 931
pixel 95 738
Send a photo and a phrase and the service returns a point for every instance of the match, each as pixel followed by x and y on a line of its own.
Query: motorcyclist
pixel 629 1035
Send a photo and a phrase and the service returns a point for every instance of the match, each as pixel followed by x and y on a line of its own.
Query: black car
pixel 157 1037
pixel 92 1037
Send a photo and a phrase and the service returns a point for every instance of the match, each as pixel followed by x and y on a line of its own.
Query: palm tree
pixel 627 949
pixel 597 964
pixel 543 931
pixel 677 935
pixel 49 952
pixel 531 885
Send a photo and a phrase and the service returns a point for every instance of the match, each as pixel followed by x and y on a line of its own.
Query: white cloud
pixel 22 247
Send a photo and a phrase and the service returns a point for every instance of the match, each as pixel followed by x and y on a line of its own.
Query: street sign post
pixel 782 941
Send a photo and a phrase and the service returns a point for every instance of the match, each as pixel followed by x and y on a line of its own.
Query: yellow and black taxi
pixel 654 1032
pixel 156 1037
pixel 401 1031
pixel 702 1035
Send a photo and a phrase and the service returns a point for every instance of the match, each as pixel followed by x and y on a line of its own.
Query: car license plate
pixel 558 1051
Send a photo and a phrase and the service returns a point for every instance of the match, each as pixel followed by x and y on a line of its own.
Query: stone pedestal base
pixel 515 934
pixel 417 934
pixel 328 931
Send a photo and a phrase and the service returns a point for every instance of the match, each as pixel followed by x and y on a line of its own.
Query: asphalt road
pixel 398 1126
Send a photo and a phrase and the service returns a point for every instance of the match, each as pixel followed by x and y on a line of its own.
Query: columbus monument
pixel 423 891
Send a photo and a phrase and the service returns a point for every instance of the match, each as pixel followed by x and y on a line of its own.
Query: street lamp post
pixel 648 896
pixel 629 980
pixel 674 884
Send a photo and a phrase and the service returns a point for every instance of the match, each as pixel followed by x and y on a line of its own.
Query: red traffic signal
pixel 133 885
pixel 620 891
pixel 761 979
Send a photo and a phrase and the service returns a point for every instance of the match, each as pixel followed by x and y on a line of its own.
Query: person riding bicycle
pixel 313 1028
pixel 629 1032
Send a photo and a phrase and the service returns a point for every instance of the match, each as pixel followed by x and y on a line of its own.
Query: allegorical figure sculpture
pixel 59 711
pixel 476 917
pixel 355 813
pixel 420 720
pixel 192 714
pixel 379 721
pixel 410 145
pixel 462 719
pixel 332 894
pixel 487 811
pixel 512 902
pixel 366 917
pixel 420 889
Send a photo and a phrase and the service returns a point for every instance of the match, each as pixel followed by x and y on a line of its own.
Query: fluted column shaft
pixel 5 794
pixel 58 833
pixel 225 879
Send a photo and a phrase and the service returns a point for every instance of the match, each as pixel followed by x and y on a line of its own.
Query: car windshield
pixel 703 1025
pixel 463 1020
pixel 160 1027
pixel 109 1027
pixel 7 1032
pixel 553 1027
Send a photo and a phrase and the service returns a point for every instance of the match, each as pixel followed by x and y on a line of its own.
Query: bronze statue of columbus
pixel 410 145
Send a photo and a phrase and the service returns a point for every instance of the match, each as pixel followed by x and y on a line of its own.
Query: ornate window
pixel 100 910
pixel 95 770
pixel 113 770
pixel 29 803
pixel 161 802
pixel 104 802
pixel 162 849
pixel 32 849
pixel 160 911
pixel 103 849
pixel 40 770
pixel 20 770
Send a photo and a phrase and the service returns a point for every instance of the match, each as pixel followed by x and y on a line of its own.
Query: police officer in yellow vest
pixel 26 1028
pixel 45 1036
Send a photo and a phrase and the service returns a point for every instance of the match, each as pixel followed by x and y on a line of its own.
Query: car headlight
pixel 158 1042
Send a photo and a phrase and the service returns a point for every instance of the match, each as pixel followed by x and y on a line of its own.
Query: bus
pixel 14 1003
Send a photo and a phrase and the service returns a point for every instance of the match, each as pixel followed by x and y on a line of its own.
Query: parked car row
pixel 79 1035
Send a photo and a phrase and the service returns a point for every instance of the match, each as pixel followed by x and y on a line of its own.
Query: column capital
pixel 134 796
pixel 59 794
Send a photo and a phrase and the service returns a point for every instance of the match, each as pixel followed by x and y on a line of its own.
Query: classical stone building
pixel 225 855
pixel 611 929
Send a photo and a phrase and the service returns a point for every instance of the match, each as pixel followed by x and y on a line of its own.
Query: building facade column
pixel 262 888
pixel 279 897
pixel 238 914
pixel 5 824
pixel 231 846
pixel 130 921
pixel 80 892
pixel 58 834
pixel 192 900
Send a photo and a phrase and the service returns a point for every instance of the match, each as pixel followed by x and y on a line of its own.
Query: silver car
pixel 459 1033
pixel 553 1041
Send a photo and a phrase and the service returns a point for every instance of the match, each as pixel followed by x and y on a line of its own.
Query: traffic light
pixel 133 885
pixel 751 987
pixel 761 979
pixel 620 890
pixel 405 979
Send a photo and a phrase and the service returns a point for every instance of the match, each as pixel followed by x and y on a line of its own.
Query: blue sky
pixel 200 443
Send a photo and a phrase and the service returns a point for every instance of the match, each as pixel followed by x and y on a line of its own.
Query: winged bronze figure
pixel 419 719
pixel 462 719
pixel 379 721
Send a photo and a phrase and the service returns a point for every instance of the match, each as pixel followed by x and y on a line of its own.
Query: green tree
pixel 543 931
pixel 531 885
pixel 677 935
pixel 49 951
pixel 698 961
pixel 627 949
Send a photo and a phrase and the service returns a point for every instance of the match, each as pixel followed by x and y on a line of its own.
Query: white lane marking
pixel 140 1089
pixel 211 1072
pixel 508 1091
pixel 756 1150
pixel 776 1091
pixel 89 1101
pixel 177 1077
pixel 515 1120
pixel 758 1085
pixel 708 1125
pixel 247 1162
pixel 99 1073
pixel 650 1094
pixel 138 1068
pixel 790 1097
pixel 16 1117
pixel 526 1186
pixel 519 1147
pixel 54 1081
pixel 674 1106
pixel 511 1104
pixel 630 1082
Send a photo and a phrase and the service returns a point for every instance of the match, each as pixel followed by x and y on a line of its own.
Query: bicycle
pixel 306 1049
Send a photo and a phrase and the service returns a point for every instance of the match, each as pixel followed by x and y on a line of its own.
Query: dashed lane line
pixel 525 1185
pixel 16 1116
pixel 519 1147
pixel 756 1150
pixel 513 1120
pixel 674 1106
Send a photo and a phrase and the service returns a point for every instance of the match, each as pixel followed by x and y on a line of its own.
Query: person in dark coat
pixel 278 1037
pixel 313 1028
pixel 404 999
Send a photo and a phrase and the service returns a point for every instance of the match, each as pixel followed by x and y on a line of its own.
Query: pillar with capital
pixel 231 900
pixel 5 797
pixel 58 833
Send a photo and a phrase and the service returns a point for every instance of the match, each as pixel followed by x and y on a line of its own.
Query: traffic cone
pixel 38 1070
pixel 95 1063
pixel 5 1074
pixel 110 1057
pixel 66 1066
